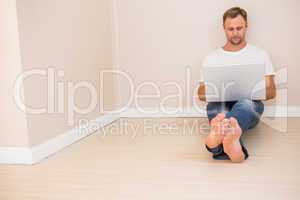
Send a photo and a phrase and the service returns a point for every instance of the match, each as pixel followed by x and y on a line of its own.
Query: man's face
pixel 235 30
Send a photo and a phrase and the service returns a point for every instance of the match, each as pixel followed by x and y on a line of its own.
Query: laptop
pixel 236 82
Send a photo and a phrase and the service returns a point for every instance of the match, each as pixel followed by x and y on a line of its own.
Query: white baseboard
pixel 282 111
pixel 155 113
pixel 270 111
pixel 35 154
pixel 15 155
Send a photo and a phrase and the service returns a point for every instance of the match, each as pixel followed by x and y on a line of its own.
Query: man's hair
pixel 234 12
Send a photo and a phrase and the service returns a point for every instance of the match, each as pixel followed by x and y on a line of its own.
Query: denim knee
pixel 255 106
pixel 247 112
pixel 246 104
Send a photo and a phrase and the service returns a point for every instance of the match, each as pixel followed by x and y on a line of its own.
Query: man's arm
pixel 201 91
pixel 270 87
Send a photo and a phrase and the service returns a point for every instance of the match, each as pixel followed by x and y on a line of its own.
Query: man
pixel 228 120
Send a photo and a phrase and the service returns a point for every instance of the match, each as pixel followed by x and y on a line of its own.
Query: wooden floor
pixel 141 159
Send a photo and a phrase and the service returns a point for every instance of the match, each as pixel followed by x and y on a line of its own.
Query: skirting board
pixel 35 154
pixel 270 111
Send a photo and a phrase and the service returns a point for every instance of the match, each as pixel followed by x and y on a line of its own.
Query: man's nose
pixel 235 32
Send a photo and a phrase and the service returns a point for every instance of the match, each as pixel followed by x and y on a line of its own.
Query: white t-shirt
pixel 246 56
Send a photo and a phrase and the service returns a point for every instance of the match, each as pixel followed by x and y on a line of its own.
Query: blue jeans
pixel 247 112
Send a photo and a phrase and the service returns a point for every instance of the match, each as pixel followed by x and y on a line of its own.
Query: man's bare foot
pixel 216 135
pixel 231 141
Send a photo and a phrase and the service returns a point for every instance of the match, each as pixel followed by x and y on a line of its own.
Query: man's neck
pixel 230 47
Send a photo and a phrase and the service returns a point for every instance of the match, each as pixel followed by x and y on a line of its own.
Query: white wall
pixel 13 129
pixel 70 35
pixel 154 41
pixel 158 39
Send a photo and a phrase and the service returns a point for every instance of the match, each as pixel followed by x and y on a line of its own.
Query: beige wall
pixel 152 41
pixel 70 35
pixel 13 130
pixel 158 39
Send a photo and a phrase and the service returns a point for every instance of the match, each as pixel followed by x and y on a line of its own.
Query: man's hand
pixel 270 87
pixel 201 91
